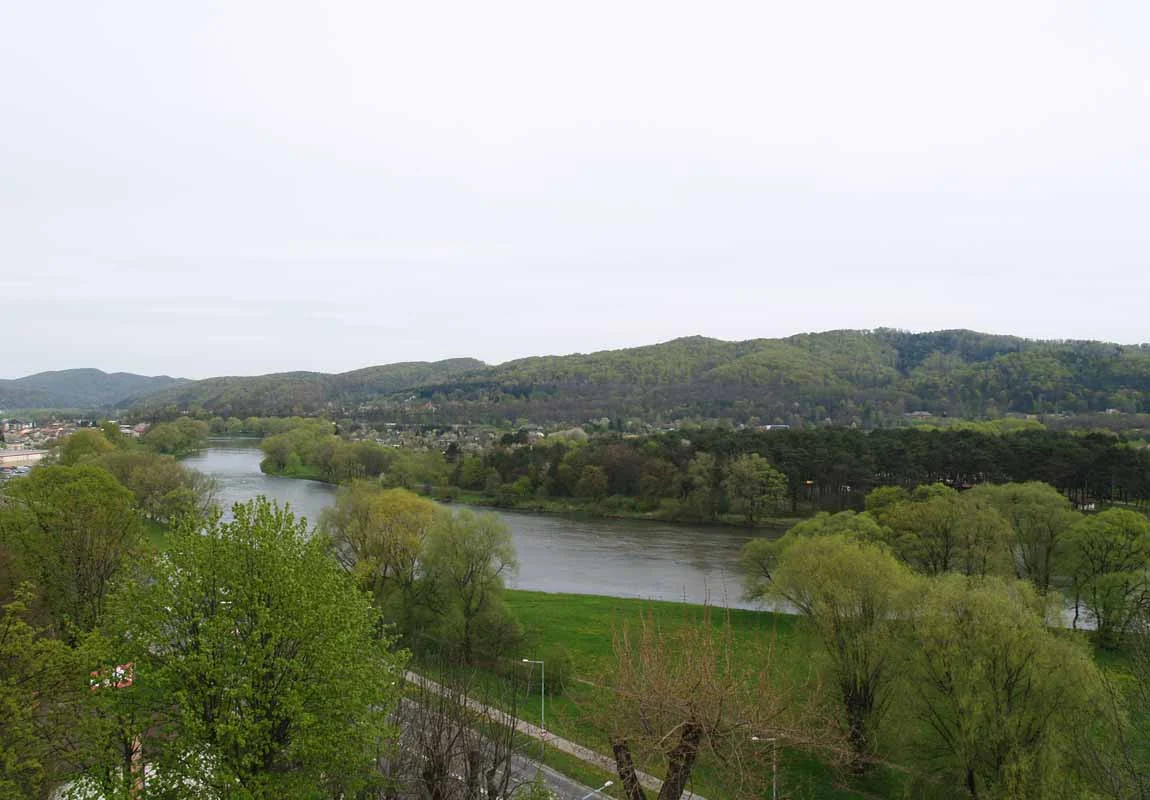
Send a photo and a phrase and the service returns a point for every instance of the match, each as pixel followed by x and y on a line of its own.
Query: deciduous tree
pixel 1109 559
pixel 1000 693
pixel 468 558
pixel 854 594
pixel 268 675
pixel 75 529
pixel 754 486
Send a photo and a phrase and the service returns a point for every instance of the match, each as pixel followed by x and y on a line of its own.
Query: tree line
pixel 707 473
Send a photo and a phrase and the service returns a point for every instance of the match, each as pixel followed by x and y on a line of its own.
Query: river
pixel 618 558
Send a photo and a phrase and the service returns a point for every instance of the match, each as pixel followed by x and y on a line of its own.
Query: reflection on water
pixel 620 558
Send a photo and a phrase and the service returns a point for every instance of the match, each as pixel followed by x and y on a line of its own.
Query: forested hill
pixel 78 388
pixel 288 393
pixel 871 378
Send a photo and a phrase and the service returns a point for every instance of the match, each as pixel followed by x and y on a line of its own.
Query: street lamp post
pixel 774 763
pixel 542 705
pixel 542 689
pixel 597 791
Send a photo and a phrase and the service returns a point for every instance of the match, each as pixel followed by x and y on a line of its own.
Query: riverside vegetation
pixel 927 658
pixel 717 474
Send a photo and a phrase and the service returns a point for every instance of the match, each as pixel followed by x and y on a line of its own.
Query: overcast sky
pixel 208 188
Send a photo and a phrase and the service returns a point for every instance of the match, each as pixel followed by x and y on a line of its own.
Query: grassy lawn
pixel 584 626
pixel 156 533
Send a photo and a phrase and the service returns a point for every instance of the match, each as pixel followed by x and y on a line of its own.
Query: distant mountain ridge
pixel 79 388
pixel 865 378
pixel 288 393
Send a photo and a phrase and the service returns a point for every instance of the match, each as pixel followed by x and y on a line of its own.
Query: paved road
pixel 649 782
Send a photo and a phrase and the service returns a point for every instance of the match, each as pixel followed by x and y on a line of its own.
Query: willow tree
pixel 1001 694
pixel 854 594
pixel 1109 559
pixel 1040 519
pixel 380 536
pixel 469 557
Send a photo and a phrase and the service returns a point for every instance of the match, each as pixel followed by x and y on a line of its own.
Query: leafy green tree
pixel 40 681
pixel 1109 557
pixel 1040 518
pixel 659 478
pixel 84 445
pixel 74 530
pixel 260 661
pixel 164 489
pixel 759 556
pixel 592 483
pixel 704 481
pixel 984 538
pixel 468 557
pixel 854 594
pixel 927 530
pixel 883 499
pixel 754 486
pixel 380 536
pixel 183 436
pixel 1001 694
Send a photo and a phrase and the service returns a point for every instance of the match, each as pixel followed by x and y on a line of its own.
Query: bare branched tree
pixel 453 744
pixel 678 695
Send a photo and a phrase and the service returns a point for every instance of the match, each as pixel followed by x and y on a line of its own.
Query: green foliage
pixel 854 594
pixel 184 436
pixel 864 378
pixel 560 668
pixel 1109 559
pixel 754 486
pixel 83 445
pixel 468 557
pixel 163 488
pixel 939 530
pixel 74 531
pixel 380 537
pixel 592 483
pixel 535 790
pixel 686 473
pixel 1003 696
pixel 1040 519
pixel 39 684
pixel 258 660
pixel 288 394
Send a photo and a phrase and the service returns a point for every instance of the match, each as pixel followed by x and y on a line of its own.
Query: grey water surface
pixel 618 558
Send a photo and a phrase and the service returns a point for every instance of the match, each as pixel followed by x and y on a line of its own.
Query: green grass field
pixel 584 625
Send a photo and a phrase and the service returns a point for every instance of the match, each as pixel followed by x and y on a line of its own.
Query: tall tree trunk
pixel 625 766
pixel 682 761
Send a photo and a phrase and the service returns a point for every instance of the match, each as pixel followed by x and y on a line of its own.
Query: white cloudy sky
pixel 239 187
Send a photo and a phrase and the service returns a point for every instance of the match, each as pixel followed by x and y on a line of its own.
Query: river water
pixel 618 558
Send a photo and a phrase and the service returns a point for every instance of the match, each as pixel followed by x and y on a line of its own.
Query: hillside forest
pixel 867 379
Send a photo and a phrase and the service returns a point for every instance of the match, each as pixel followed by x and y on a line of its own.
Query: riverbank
pixel 574 508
